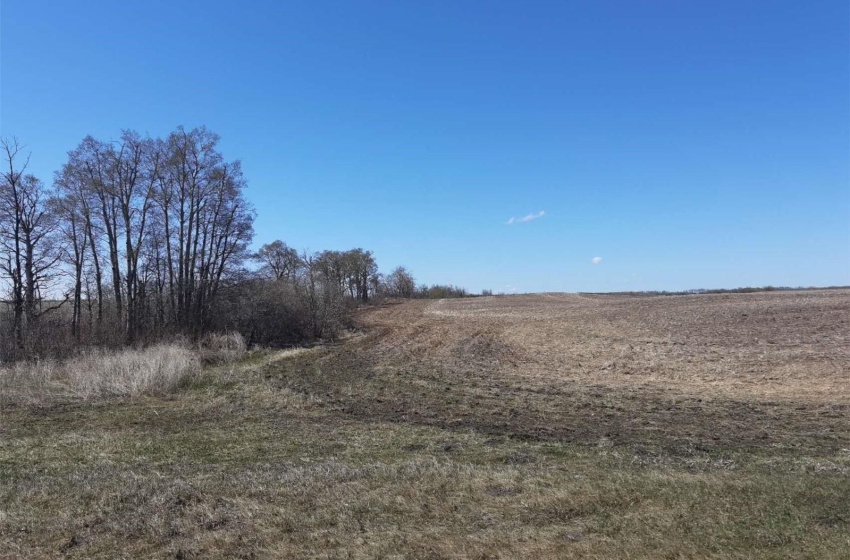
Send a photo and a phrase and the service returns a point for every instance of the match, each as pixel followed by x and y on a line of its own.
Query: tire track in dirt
pixel 658 374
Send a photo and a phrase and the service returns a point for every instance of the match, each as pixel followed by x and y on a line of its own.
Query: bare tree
pixel 206 221
pixel 359 266
pixel 74 242
pixel 25 228
pixel 400 283
pixel 167 217
pixel 135 166
pixel 278 260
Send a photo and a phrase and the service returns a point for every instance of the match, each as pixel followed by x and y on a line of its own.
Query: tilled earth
pixel 663 375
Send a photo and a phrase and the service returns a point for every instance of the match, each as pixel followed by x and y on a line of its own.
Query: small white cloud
pixel 596 260
pixel 526 218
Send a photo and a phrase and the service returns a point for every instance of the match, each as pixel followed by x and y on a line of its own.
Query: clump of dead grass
pixel 158 370
pixel 219 348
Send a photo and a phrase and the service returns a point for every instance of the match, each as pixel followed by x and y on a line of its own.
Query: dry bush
pixel 281 313
pixel 219 348
pixel 159 369
pixel 29 382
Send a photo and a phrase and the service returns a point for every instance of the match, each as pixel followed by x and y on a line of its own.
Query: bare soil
pixel 709 371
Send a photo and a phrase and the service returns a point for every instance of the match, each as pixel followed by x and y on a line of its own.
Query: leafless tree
pixel 168 218
pixel 400 283
pixel 278 260
pixel 26 251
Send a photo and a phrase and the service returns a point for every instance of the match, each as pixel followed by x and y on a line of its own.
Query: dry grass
pixel 219 348
pixel 157 370
pixel 458 430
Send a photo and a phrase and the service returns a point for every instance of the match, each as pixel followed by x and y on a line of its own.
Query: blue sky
pixel 688 144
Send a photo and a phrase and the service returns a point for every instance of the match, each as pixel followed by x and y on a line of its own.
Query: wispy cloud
pixel 526 218
pixel 596 260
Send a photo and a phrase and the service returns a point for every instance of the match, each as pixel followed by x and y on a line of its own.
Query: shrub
pixel 280 313
pixel 219 348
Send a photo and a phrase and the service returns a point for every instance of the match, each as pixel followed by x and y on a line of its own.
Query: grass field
pixel 535 426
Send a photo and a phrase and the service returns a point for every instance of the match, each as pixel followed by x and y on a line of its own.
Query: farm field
pixel 528 426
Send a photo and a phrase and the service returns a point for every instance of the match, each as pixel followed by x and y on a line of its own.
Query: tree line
pixel 144 238
pixel 296 297
pixel 136 236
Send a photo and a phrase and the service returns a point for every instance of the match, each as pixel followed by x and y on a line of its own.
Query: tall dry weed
pixel 159 369
pixel 218 348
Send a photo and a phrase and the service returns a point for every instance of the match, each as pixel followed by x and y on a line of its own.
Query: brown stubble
pixel 760 370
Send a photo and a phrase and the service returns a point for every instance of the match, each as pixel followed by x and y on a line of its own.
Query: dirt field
pixel 533 426
pixel 703 371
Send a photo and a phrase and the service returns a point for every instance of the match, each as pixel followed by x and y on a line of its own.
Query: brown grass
pixel 487 428
pixel 159 369
pixel 219 348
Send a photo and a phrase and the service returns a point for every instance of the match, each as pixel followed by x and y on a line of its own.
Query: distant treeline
pixel 145 238
pixel 744 290
pixel 296 297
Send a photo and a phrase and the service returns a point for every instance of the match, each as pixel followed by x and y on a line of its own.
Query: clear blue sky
pixel 688 144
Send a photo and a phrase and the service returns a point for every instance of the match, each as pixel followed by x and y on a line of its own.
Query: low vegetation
pixel 540 426
pixel 219 348
pixel 160 369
